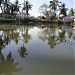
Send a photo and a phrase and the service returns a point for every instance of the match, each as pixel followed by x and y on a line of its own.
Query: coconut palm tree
pixel 6 6
pixel 26 7
pixel 63 9
pixel 54 4
pixel 0 4
pixel 16 6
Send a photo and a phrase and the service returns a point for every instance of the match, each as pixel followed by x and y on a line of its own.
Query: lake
pixel 36 50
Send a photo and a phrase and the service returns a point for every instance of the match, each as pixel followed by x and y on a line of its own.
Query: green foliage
pixel 1 2
pixel 71 12
pixel 63 10
pixel 26 7
pixel 56 20
pixel 44 9
pixel 54 5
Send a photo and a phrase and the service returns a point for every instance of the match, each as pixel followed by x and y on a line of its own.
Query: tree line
pixel 54 7
pixel 8 8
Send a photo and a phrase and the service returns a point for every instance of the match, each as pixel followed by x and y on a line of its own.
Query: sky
pixel 37 3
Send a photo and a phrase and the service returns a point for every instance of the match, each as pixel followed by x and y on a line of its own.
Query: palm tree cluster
pixel 9 8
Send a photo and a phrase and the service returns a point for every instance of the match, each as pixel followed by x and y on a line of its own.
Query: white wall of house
pixel 67 19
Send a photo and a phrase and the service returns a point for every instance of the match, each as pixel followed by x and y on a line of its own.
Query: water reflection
pixel 55 36
pixel 51 41
pixel 8 66
pixel 61 36
pixel 25 34
pixel 34 44
pixel 23 51
pixel 1 43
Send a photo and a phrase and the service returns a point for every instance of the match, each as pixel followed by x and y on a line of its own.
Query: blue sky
pixel 37 3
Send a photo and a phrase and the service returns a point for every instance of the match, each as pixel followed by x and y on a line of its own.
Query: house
pixel 67 19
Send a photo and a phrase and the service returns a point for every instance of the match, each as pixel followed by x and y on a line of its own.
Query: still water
pixel 36 50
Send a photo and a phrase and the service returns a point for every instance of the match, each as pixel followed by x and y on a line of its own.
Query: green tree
pixel 0 5
pixel 63 9
pixel 71 12
pixel 54 5
pixel 6 7
pixel 16 6
pixel 1 2
pixel 27 6
pixel 44 9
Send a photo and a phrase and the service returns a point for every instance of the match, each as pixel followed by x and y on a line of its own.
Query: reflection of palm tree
pixel 16 36
pixel 43 34
pixel 9 35
pixel 1 43
pixel 6 36
pixel 2 63
pixel 7 39
pixel 26 35
pixel 23 51
pixel 8 66
pixel 61 36
pixel 70 33
pixel 51 41
pixel 73 37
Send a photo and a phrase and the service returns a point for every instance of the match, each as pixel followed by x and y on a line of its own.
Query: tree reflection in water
pixel 25 34
pixel 16 37
pixel 70 33
pixel 23 51
pixel 61 36
pixel 11 35
pixel 43 33
pixel 2 43
pixel 55 36
pixel 51 41
pixel 7 39
pixel 7 67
